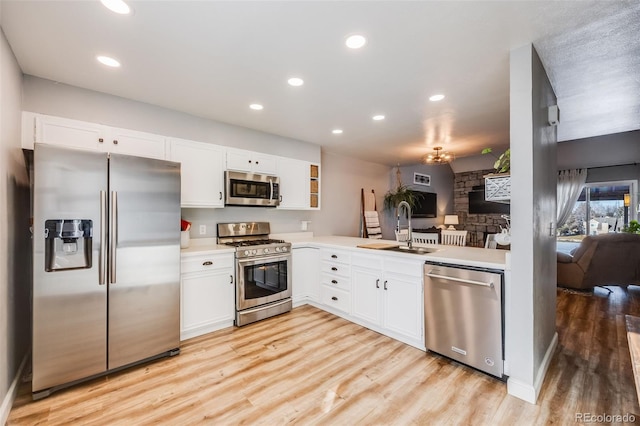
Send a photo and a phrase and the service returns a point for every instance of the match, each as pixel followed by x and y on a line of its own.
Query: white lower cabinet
pixel 389 301
pixel 335 278
pixel 207 294
pixel 305 283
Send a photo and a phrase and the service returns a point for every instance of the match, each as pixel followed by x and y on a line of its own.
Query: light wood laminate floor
pixel 311 367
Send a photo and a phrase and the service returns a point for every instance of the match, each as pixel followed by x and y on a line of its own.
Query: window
pixel 600 209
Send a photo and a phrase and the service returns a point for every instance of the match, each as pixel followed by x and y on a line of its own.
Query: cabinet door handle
pixel 385 284
pixel 221 195
pixel 100 140
pixel 281 198
pixel 207 263
pixel 333 256
pixel 334 282
pixel 333 268
pixel 231 279
pixel 249 161
pixel 257 162
pixel 378 283
pixel 334 298
pixel 115 142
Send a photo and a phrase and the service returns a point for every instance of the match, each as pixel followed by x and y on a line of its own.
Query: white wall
pixel 15 259
pixel 47 97
pixel 531 334
pixel 342 180
pixel 607 150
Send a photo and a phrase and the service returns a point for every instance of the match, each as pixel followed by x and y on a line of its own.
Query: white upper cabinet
pixel 69 133
pixel 252 162
pixel 140 144
pixel 202 172
pixel 97 137
pixel 294 184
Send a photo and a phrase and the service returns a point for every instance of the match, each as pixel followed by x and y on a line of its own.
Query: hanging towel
pixel 371 219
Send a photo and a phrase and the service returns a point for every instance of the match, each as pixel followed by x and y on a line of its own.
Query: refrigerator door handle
pixel 113 237
pixel 102 255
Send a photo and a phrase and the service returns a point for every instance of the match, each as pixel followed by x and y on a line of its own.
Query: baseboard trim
pixel 546 362
pixel 526 391
pixel 7 403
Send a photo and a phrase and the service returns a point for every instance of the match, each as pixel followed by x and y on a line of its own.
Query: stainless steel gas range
pixel 263 270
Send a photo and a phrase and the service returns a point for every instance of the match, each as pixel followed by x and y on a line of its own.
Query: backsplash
pixel 478 225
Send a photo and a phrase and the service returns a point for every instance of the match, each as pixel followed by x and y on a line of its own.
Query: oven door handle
pixel 264 259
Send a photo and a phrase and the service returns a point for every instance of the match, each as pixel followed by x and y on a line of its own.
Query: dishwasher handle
pixel 461 280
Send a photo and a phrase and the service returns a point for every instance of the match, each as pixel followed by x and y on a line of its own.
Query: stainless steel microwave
pixel 250 189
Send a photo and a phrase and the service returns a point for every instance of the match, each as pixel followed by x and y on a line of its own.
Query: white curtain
pixel 570 184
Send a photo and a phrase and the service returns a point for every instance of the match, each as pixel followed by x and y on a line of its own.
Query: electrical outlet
pixel 203 229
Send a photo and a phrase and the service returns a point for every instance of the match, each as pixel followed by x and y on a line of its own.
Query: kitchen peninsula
pixel 378 289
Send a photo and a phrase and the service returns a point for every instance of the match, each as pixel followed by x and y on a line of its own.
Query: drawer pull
pixel 334 298
pixel 333 268
pixel 207 263
pixel 100 140
pixel 334 282
pixel 115 142
pixel 333 256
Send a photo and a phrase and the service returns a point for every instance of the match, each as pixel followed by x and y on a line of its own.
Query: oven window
pixel 265 279
pixel 249 189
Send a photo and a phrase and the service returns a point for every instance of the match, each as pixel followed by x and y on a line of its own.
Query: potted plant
pixel 402 193
pixel 632 228
pixel 503 162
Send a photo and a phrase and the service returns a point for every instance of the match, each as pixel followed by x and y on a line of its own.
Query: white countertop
pixel 199 246
pixel 469 256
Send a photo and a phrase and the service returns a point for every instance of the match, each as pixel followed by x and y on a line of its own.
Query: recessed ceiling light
pixel 336 131
pixel 117 6
pixel 256 107
pixel 378 117
pixel 436 98
pixel 295 81
pixel 355 41
pixel 110 62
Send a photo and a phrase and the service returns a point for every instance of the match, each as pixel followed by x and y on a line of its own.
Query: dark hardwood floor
pixel 311 367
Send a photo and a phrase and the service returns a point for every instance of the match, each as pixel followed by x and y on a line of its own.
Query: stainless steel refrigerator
pixel 106 264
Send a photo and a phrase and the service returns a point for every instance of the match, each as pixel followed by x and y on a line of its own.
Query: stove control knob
pixel 277 249
pixel 284 249
pixel 254 252
pixel 266 250
pixel 246 252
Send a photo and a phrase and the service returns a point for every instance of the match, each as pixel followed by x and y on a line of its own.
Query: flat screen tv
pixel 426 205
pixel 478 205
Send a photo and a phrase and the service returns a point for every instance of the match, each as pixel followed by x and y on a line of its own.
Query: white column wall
pixel 531 336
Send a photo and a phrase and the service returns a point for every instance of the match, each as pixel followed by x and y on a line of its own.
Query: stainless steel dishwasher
pixel 463 308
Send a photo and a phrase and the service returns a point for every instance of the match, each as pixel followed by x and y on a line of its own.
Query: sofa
pixel 605 259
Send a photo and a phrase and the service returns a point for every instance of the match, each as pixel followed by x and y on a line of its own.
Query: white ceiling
pixel 213 58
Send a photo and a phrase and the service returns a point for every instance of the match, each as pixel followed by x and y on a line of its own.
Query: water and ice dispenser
pixel 67 244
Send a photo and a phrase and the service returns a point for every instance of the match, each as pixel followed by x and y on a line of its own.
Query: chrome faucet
pixel 407 209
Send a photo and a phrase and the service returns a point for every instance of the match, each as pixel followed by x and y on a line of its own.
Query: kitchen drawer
pixel 334 268
pixel 336 298
pixel 335 281
pixel 336 256
pixel 206 262
pixel 405 267
pixel 367 262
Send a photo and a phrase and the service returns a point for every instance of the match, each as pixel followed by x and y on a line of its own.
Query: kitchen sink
pixel 414 250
